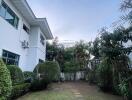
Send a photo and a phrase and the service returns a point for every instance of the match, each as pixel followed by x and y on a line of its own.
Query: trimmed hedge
pixel 16 74
pixel 5 81
pixel 49 71
pixel 38 85
pixel 28 76
pixel 19 90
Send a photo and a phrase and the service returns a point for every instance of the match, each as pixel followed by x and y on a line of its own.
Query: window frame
pixel 7 57
pixel 42 39
pixel 26 29
pixel 8 10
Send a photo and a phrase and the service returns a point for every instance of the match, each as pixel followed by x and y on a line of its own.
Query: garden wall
pixel 72 76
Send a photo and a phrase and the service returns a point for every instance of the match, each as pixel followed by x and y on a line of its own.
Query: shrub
pixel 19 90
pixel 5 81
pixel 72 67
pixel 91 78
pixel 28 76
pixel 49 71
pixel 92 74
pixel 16 74
pixel 104 73
pixel 126 89
pixel 38 85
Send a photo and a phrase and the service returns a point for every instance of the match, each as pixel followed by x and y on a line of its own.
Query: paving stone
pixel 76 93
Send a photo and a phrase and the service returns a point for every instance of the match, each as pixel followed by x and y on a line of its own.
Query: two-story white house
pixel 22 35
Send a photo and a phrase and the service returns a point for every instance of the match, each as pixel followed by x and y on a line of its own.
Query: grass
pixel 49 95
pixel 68 91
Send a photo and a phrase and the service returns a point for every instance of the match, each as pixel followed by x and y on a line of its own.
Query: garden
pixel 95 70
pixel 15 83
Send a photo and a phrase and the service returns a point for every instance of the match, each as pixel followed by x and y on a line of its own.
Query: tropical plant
pixel 123 86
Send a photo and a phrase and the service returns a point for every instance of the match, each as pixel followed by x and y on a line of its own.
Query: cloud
pixel 77 19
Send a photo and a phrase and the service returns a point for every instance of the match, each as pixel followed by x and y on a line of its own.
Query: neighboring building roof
pixel 23 7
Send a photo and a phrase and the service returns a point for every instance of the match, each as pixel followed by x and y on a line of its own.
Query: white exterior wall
pixel 11 38
pixel 36 49
pixel 41 48
pixel 32 55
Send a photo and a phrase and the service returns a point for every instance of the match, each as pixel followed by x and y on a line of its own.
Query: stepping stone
pixel 79 96
pixel 76 93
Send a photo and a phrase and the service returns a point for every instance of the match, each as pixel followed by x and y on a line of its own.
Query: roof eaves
pixel 29 8
pixel 47 26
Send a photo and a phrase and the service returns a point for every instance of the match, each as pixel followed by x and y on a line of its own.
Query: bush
pixel 16 74
pixel 28 76
pixel 91 75
pixel 5 81
pixel 38 85
pixel 49 71
pixel 19 90
pixel 126 89
pixel 104 73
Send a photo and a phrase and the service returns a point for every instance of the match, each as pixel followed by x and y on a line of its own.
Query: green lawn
pixel 70 91
pixel 49 95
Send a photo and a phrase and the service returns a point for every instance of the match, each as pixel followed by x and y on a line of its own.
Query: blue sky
pixel 77 19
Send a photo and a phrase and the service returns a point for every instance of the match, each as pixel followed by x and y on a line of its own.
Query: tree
pixel 112 48
pixel 60 57
pixel 69 54
pixel 71 67
pixel 94 49
pixel 126 6
pixel 82 54
pixel 52 50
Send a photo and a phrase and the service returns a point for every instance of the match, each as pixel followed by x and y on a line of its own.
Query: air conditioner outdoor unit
pixel 25 44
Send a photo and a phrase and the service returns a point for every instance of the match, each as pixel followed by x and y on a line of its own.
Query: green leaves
pixel 123 86
pixel 48 70
pixel 16 74
pixel 5 81
pixel 71 67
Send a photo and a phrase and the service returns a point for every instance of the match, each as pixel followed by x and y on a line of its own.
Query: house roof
pixel 23 7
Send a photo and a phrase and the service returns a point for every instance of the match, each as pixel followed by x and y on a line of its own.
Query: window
pixel 25 28
pixel 2 10
pixel 42 39
pixel 10 58
pixel 8 15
